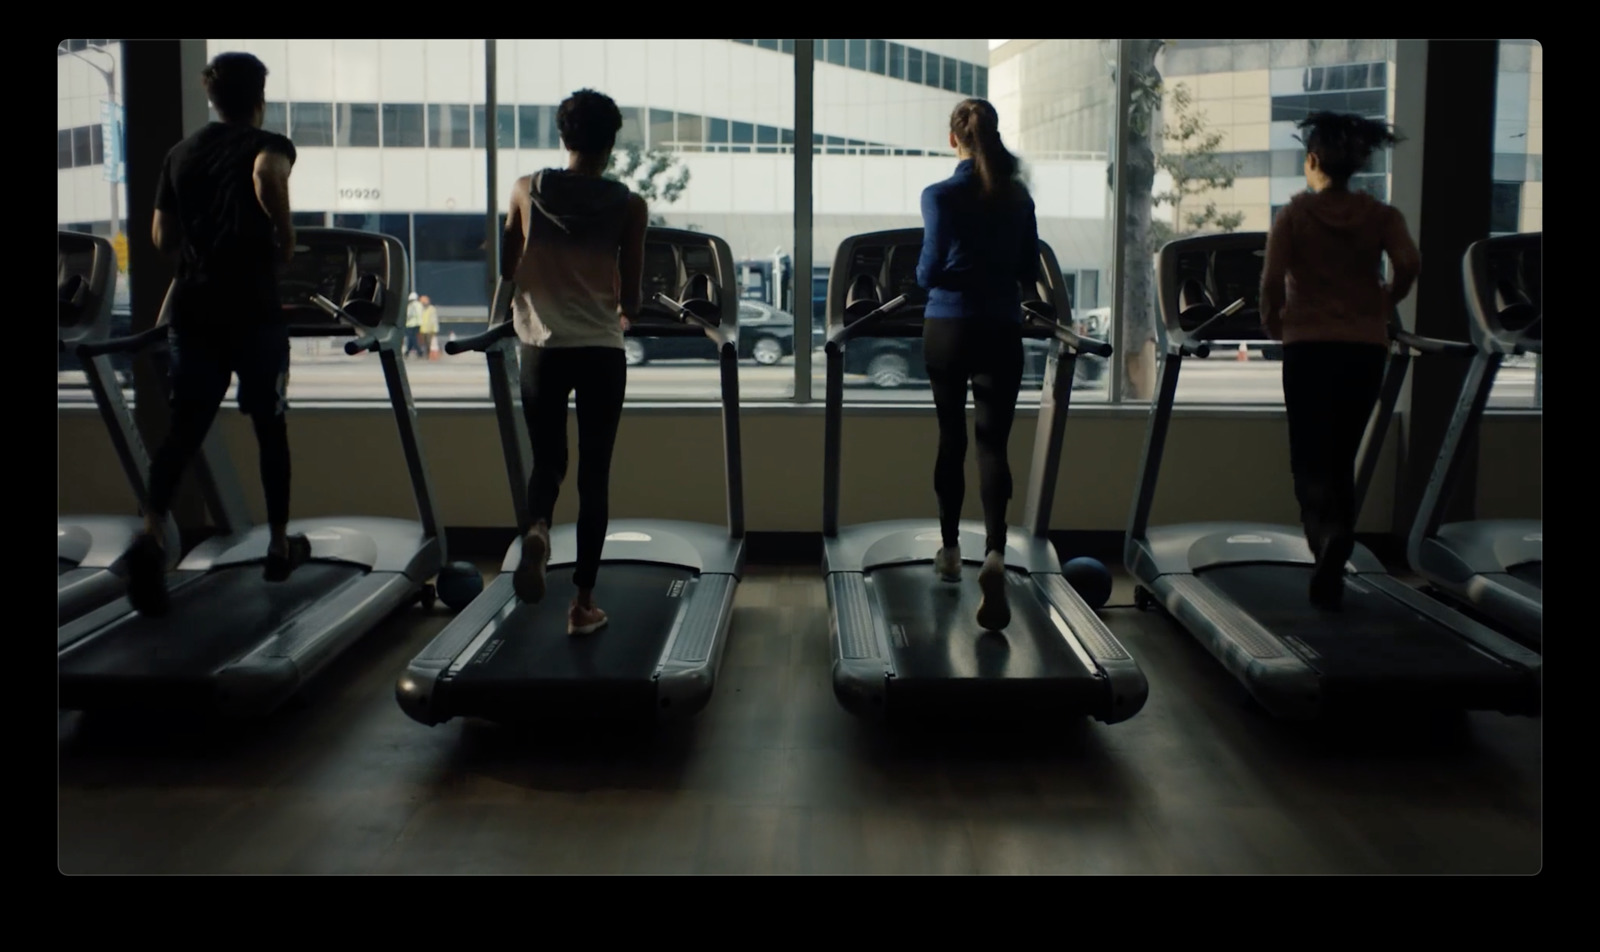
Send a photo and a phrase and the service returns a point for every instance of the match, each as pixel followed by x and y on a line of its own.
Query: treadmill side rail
pixel 419 687
pixel 262 680
pixel 1129 687
pixel 1482 637
pixel 862 667
pixel 1274 675
pixel 687 671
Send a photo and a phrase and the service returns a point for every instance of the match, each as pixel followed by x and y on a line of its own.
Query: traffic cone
pixel 1244 353
pixel 433 346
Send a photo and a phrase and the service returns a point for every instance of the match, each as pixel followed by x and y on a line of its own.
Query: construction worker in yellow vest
pixel 414 327
pixel 430 329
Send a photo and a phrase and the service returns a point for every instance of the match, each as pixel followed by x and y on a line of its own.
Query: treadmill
pixel 89 549
pixel 1491 566
pixel 667 586
pixel 906 645
pixel 1241 588
pixel 231 642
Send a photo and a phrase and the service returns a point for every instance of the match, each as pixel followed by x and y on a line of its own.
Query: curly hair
pixel 589 122
pixel 1343 143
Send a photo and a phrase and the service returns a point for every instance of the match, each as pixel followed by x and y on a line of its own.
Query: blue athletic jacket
pixel 974 253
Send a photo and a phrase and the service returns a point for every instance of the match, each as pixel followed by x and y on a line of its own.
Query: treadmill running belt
pixel 1531 573
pixel 532 644
pixel 1373 635
pixel 212 621
pixel 934 634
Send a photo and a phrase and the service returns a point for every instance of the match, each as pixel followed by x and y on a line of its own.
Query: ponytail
pixel 1344 143
pixel 976 127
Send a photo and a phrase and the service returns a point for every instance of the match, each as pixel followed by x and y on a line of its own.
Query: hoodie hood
pixel 577 204
pixel 1342 210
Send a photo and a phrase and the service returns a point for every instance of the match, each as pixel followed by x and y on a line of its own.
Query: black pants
pixel 204 363
pixel 988 353
pixel 1329 390
pixel 597 379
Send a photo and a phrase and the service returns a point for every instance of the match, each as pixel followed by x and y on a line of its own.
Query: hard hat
pixel 413 295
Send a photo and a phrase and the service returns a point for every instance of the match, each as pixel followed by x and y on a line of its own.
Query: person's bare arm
pixel 514 239
pixel 167 232
pixel 1274 276
pixel 272 191
pixel 1405 262
pixel 630 261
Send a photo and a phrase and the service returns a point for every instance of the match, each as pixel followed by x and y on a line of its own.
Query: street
pixel 328 375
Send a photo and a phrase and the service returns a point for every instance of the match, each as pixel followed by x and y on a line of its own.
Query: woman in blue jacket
pixel 980 239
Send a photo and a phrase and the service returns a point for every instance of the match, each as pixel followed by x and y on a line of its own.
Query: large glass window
pixel 311 123
pixel 505 126
pixel 877 153
pixel 89 94
pixel 358 124
pixel 536 127
pixel 1517 196
pixel 275 118
pixel 402 125
pixel 705 153
pixel 1227 159
pixel 449 126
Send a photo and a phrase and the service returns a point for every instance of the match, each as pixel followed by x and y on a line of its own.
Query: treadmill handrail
pixel 131 343
pixel 1433 345
pixel 686 316
pixel 365 339
pixel 481 342
pixel 840 335
pixel 1066 335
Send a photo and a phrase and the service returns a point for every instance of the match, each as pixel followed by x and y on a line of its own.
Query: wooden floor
pixel 774 777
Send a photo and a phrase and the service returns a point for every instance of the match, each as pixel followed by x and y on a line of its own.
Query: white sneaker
pixel 994 612
pixel 947 564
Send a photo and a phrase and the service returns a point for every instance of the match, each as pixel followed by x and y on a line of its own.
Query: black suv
pixel 890 362
pixel 766 336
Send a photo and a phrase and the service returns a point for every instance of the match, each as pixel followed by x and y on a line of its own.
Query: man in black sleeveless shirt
pixel 222 211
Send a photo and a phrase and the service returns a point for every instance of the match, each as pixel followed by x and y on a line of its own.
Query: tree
pixel 642 170
pixel 1190 159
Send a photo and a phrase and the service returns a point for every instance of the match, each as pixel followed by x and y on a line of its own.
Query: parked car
pixel 766 336
pixel 889 362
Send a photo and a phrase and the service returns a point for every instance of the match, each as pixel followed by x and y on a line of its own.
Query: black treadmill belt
pixel 934 633
pixel 1531 573
pixel 531 644
pixel 1374 634
pixel 212 621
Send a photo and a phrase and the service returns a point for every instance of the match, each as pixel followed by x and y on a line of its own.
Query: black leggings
pixel 987 352
pixel 1329 390
pixel 203 365
pixel 597 377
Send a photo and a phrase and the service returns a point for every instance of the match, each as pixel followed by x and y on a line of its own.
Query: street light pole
pixel 111 100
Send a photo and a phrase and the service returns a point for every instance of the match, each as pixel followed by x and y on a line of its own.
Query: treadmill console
pixel 672 257
pixel 1200 277
pixel 1508 300
pixel 330 262
pixel 889 259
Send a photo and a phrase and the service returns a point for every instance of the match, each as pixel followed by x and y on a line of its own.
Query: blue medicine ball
pixel 458 584
pixel 1090 578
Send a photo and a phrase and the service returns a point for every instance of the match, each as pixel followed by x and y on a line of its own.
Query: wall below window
pixel 668 464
